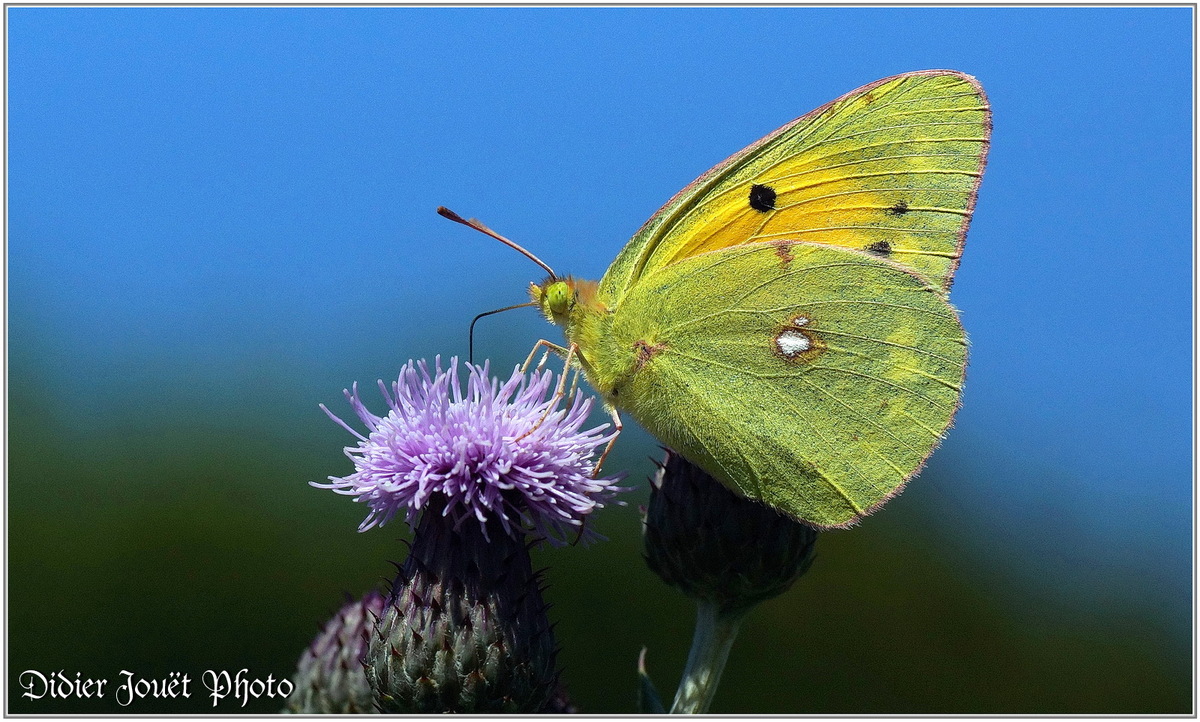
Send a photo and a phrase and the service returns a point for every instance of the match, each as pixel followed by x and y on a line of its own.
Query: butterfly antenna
pixel 445 212
pixel 471 331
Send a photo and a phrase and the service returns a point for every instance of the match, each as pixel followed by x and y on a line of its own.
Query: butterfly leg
pixel 549 346
pixel 582 528
pixel 557 398
pixel 612 411
pixel 575 381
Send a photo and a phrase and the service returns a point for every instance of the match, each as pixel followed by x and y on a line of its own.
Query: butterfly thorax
pixel 575 305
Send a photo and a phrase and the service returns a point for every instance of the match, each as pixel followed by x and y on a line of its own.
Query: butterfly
pixel 783 322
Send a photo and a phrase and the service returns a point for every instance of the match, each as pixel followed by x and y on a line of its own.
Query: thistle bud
pixel 329 677
pixel 718 547
pixel 465 629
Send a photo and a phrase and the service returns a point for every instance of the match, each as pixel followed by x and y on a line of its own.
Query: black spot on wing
pixel 880 248
pixel 899 209
pixel 762 198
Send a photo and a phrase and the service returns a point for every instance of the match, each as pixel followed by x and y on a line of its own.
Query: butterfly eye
pixel 559 296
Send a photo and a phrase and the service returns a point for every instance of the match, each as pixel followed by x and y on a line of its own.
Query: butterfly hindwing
pixel 812 378
pixel 891 169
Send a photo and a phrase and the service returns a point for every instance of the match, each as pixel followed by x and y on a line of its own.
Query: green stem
pixel 711 643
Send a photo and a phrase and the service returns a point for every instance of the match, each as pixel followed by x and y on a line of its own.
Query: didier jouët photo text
pixel 128 688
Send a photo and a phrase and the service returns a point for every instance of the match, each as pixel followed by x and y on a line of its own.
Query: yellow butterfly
pixel 782 322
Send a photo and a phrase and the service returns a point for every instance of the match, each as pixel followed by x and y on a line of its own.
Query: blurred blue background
pixel 220 217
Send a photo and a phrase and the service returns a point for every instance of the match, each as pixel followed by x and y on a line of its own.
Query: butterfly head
pixel 558 297
pixel 555 297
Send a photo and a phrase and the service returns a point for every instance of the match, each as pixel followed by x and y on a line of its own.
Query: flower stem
pixel 715 632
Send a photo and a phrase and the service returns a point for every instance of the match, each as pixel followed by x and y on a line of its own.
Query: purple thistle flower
pixel 477 453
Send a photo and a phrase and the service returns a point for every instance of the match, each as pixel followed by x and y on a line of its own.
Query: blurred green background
pixel 219 218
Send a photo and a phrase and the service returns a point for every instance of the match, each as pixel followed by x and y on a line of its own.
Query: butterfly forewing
pixel 813 378
pixel 891 169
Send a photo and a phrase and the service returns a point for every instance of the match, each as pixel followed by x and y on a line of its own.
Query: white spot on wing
pixel 792 343
pixel 800 321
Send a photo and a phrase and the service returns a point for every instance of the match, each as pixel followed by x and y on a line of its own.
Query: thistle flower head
pixel 504 452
